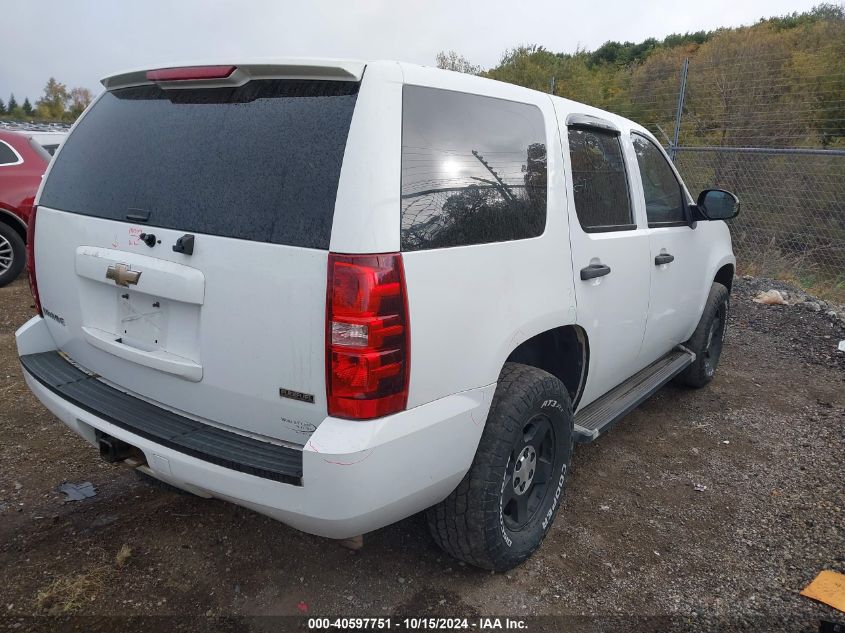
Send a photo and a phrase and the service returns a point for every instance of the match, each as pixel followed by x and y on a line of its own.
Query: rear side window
pixel 259 162
pixel 473 169
pixel 599 180
pixel 7 155
pixel 664 200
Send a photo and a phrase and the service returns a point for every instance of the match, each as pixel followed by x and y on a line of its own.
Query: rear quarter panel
pixel 471 306
pixel 366 216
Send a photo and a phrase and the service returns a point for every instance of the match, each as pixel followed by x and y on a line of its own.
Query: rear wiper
pixel 138 215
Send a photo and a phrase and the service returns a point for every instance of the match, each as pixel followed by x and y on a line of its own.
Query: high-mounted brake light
pixel 367 336
pixel 190 73
pixel 30 259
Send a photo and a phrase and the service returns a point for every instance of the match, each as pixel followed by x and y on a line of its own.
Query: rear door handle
pixel 663 258
pixel 594 270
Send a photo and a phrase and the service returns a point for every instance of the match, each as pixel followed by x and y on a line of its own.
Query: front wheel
pixel 504 506
pixel 707 339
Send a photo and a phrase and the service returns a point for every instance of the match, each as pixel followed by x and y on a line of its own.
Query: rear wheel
pixel 505 505
pixel 12 254
pixel 707 339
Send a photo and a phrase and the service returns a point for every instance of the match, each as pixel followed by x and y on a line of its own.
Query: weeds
pixel 69 594
pixel 800 269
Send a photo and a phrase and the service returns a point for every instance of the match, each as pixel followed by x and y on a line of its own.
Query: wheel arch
pixel 725 276
pixel 563 351
pixel 12 220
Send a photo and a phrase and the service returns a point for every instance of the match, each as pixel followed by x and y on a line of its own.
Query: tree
pixel 652 97
pixel 453 61
pixel 13 104
pixel 27 107
pixel 530 66
pixel 52 104
pixel 79 100
pixel 2 107
pixel 727 107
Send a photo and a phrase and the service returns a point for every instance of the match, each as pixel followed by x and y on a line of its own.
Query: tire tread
pixel 694 375
pixel 18 254
pixel 457 524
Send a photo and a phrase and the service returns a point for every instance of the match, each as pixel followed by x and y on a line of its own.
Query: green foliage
pixel 779 83
pixel 52 105
pixel 450 60
pixel 729 100
pixel 676 39
pixel 57 104
pixel 623 54
pixel 79 100
pixel 819 13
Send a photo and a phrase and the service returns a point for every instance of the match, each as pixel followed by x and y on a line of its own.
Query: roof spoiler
pixel 239 74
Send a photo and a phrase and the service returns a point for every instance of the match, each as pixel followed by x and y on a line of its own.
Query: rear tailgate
pixel 233 332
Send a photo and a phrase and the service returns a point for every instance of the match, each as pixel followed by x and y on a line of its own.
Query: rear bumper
pixel 356 476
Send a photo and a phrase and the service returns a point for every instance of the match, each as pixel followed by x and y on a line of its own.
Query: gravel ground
pixel 635 537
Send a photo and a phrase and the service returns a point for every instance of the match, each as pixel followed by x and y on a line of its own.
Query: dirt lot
pixel 634 536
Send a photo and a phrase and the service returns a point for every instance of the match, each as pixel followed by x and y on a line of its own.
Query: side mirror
pixel 717 204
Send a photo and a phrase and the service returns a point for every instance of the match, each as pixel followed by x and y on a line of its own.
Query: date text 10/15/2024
pixel 418 624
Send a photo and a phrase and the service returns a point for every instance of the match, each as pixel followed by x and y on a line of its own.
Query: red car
pixel 22 163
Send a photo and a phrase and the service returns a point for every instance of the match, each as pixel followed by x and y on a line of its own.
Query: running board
pixel 598 416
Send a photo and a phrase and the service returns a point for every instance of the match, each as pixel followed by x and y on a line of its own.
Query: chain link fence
pixel 773 132
pixel 792 220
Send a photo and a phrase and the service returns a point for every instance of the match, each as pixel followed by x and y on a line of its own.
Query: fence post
pixel 681 97
pixel 552 91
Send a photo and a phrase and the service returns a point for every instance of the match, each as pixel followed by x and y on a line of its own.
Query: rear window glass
pixel 259 162
pixel 473 169
pixel 7 154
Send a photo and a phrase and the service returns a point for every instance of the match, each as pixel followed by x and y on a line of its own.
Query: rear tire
pixel 707 339
pixel 12 254
pixel 504 506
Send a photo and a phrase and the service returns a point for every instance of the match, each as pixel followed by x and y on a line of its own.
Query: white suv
pixel 341 293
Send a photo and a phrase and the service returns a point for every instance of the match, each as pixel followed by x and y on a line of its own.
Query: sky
pixel 79 42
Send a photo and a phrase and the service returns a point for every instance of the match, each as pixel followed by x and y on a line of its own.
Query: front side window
pixel 599 181
pixel 664 199
pixel 473 169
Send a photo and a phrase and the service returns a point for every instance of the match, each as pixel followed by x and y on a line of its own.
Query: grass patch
pixel 69 594
pixel 797 269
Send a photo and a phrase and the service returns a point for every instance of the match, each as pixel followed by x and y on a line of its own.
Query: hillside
pixel 777 83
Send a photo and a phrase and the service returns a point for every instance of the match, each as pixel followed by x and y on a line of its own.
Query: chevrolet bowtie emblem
pixel 121 274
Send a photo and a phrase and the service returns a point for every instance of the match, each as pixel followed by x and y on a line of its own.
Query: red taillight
pixel 30 259
pixel 190 73
pixel 367 336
